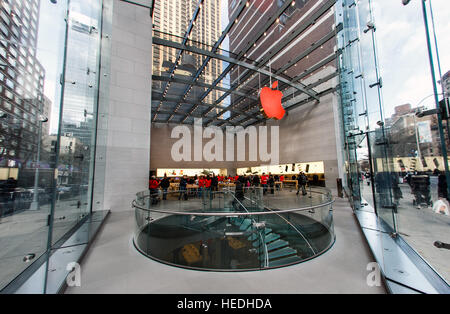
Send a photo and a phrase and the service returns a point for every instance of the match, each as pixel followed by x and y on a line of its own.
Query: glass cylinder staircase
pixel 222 232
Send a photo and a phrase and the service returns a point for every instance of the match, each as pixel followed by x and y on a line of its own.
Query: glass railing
pixel 233 231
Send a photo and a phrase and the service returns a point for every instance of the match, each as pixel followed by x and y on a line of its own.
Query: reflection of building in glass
pixel 413 136
pixel 173 17
pixel 71 149
pixel 80 93
pixel 82 131
pixel 21 82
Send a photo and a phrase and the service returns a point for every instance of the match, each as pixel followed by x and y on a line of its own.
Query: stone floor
pixel 112 265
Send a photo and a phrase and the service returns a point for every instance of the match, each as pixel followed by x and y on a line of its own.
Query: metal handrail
pixel 230 213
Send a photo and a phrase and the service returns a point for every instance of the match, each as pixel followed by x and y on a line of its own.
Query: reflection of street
pixel 421 227
pixel 366 194
pixel 26 232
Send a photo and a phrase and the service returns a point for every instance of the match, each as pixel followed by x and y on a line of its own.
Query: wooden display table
pixel 290 182
pixel 222 184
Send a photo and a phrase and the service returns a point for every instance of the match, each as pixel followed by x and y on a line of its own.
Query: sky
pixel 402 50
pixel 49 52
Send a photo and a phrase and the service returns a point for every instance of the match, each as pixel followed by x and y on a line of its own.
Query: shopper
pixel 214 185
pixel 302 180
pixel 271 184
pixel 239 194
pixel 201 186
pixel 256 181
pixel 153 186
pixel 183 184
pixel 165 184
pixel 264 179
pixel 208 186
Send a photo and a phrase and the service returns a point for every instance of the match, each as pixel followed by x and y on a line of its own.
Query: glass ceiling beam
pixel 298 104
pixel 200 84
pixel 158 96
pixel 313 47
pixel 215 47
pixel 297 31
pixel 251 44
pixel 261 33
pixel 171 113
pixel 291 37
pixel 185 39
pixel 172 44
pixel 286 100
pixel 291 63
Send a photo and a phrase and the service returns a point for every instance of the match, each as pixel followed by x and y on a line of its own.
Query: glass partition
pixel 30 67
pixel 49 61
pixel 393 77
pixel 233 230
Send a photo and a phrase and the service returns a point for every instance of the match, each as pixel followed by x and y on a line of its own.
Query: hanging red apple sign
pixel 271 102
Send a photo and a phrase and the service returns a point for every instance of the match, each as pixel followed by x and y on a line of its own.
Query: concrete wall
pixel 160 153
pixel 123 145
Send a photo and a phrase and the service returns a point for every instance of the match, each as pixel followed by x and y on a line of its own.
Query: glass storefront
pixel 49 77
pixel 394 102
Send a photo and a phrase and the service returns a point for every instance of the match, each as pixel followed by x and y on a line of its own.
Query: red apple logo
pixel 271 102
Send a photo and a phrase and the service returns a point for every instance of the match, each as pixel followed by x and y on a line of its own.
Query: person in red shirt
pixel 264 179
pixel 153 186
pixel 281 178
pixel 208 186
pixel 236 177
pixel 201 185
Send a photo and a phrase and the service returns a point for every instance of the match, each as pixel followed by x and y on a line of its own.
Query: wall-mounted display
pixel 295 168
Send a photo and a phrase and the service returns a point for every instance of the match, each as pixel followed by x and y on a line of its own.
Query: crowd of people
pixel 205 184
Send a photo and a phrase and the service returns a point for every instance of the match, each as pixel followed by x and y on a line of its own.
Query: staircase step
pixel 253 237
pixel 284 261
pixel 245 224
pixel 277 245
pixel 282 252
pixel 272 237
pixel 256 243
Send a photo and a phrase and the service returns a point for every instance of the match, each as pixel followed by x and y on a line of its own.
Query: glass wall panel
pixel 30 66
pixel 49 74
pixel 404 67
pixel 78 119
